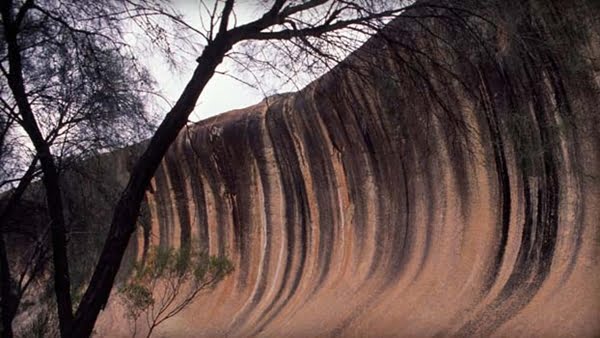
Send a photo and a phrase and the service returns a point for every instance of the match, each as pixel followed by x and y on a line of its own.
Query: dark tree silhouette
pixel 70 89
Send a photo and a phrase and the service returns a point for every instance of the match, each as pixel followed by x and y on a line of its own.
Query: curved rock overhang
pixel 442 180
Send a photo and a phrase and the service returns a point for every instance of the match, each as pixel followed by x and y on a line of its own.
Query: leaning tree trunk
pixel 128 207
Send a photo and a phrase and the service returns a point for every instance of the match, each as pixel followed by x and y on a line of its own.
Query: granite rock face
pixel 440 181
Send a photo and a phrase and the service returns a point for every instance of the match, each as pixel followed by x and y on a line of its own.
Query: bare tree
pixel 68 89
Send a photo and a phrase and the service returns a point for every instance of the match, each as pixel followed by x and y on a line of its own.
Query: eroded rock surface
pixel 436 183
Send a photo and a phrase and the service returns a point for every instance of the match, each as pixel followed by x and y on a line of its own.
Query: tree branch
pixel 225 16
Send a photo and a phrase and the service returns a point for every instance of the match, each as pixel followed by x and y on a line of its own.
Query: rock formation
pixel 443 180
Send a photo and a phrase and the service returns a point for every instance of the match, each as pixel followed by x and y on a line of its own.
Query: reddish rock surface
pixel 421 188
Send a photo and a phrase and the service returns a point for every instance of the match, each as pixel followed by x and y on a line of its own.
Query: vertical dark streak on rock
pixel 296 211
pixel 371 171
pixel 190 149
pixel 402 249
pixel 162 208
pixel 503 180
pixel 193 160
pixel 257 145
pixel 568 117
pixel 353 162
pixel 319 164
pixel 180 203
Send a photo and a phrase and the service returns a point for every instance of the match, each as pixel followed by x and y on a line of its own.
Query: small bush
pixel 167 282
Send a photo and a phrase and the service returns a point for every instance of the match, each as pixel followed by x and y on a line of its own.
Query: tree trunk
pixel 8 297
pixel 127 210
pixel 10 302
pixel 50 177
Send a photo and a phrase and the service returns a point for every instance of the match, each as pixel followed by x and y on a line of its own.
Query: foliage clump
pixel 167 281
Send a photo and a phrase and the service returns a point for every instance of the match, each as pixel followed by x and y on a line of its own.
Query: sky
pixel 222 93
